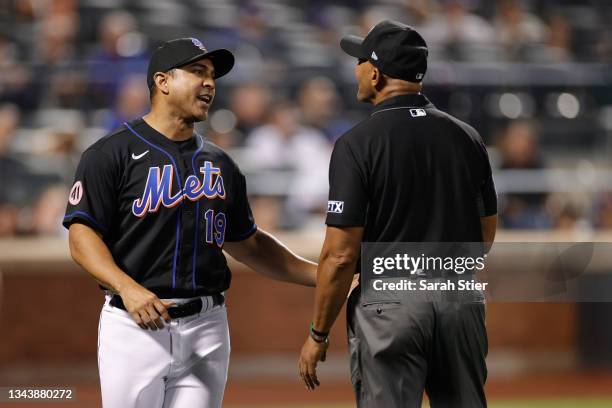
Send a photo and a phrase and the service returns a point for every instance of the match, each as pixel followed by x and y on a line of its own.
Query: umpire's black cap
pixel 182 51
pixel 394 48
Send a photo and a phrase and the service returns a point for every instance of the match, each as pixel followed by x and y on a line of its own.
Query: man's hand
pixel 146 309
pixel 90 251
pixel 312 353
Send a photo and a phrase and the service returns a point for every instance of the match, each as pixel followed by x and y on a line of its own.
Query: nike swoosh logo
pixel 136 157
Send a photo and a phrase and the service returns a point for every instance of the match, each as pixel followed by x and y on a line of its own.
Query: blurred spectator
pixel 15 78
pixel 519 150
pixel 319 103
pixel 456 30
pixel 257 39
pixel 67 70
pixel 25 10
pixel 20 187
pixel 132 102
pixel 57 45
pixel 9 220
pixel 66 89
pixel 55 58
pixel 249 103
pixel 375 14
pixel 14 173
pixel 517 29
pixel 9 121
pixel 559 39
pixel 284 144
pixel 48 211
pixel 603 211
pixel 255 29
pixel 56 152
pixel 120 52
pixel 221 129
pixel 568 219
pixel 568 212
pixel 604 46
pixel 268 211
pixel 420 11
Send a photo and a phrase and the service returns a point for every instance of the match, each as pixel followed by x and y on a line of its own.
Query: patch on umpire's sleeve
pixel 335 207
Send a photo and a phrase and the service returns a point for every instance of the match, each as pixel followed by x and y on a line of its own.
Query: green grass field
pixel 531 403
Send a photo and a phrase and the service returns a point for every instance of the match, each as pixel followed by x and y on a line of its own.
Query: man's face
pixel 363 73
pixel 192 90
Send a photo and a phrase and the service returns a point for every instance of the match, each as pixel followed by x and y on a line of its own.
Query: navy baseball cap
pixel 394 48
pixel 183 51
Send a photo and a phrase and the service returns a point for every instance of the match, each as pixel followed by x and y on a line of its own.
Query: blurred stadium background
pixel 534 77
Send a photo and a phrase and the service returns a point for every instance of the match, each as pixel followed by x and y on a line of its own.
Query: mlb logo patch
pixel 416 113
pixel 335 207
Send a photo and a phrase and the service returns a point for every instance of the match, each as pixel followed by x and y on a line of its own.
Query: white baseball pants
pixel 182 365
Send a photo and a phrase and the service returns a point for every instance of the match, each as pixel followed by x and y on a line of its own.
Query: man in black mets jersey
pixel 408 173
pixel 151 209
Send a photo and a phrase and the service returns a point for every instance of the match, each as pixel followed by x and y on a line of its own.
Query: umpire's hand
pixel 312 353
pixel 146 309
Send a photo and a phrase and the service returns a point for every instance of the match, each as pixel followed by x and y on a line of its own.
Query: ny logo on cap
pixel 198 44
pixel 374 56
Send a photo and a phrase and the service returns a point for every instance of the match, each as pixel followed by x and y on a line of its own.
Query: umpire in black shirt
pixel 407 173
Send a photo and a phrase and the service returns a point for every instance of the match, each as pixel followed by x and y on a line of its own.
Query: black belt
pixel 181 310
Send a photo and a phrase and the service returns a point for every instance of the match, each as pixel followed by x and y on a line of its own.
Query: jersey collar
pixel 410 100
pixel 154 136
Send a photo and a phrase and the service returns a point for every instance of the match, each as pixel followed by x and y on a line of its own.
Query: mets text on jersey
pixel 158 188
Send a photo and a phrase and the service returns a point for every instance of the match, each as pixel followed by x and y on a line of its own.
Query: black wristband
pixel 318 339
pixel 316 332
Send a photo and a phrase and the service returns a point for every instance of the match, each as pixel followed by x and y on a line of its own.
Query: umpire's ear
pixel 377 78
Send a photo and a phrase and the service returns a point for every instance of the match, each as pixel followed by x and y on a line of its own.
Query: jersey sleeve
pixel 240 221
pixel 348 198
pixel 92 198
pixel 487 196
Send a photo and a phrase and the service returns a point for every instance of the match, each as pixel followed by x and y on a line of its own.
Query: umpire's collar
pixel 409 100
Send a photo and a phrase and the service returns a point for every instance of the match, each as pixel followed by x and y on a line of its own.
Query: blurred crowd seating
pixel 533 77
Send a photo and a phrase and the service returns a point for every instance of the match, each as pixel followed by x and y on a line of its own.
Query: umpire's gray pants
pixel 398 349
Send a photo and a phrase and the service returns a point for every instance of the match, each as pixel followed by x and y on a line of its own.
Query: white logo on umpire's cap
pixel 374 56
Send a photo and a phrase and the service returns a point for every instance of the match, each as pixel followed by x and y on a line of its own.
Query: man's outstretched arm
pixel 267 255
pixel 337 265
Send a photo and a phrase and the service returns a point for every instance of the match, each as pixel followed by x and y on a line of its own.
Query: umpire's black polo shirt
pixel 411 173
